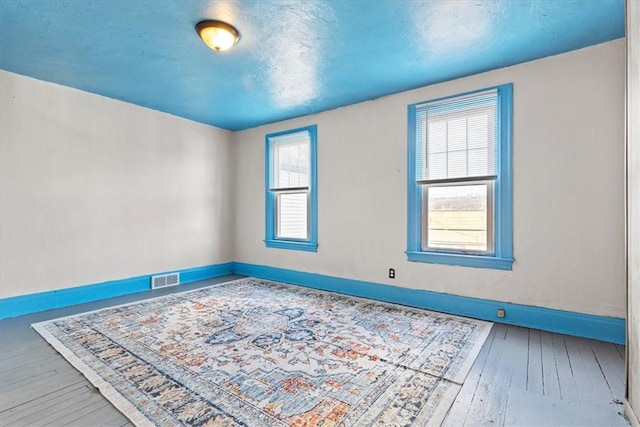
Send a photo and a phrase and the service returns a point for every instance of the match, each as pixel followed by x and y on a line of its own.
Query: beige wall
pixel 568 189
pixel 94 189
pixel 633 205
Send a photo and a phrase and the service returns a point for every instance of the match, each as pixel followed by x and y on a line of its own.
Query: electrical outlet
pixel 501 312
pixel 392 273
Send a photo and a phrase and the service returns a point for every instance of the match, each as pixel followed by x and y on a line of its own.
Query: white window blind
pixel 457 139
pixel 291 161
pixel 292 215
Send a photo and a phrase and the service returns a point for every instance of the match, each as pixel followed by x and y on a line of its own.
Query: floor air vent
pixel 165 280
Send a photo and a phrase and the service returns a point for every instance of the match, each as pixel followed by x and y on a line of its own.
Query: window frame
pixel 271 197
pixel 502 207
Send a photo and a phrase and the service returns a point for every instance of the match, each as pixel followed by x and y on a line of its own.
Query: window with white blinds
pixel 291 189
pixel 460 179
pixel 457 138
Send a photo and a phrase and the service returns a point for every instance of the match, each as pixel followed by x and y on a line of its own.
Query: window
pixel 291 190
pixel 459 200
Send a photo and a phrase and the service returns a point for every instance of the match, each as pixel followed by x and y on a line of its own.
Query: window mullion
pixel 288 189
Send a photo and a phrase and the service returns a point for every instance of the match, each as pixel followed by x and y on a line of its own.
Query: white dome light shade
pixel 218 35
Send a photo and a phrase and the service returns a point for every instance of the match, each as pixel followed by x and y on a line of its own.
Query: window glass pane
pixel 291 165
pixel 292 216
pixel 457 217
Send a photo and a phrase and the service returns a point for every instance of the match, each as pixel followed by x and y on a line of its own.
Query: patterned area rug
pixel 258 353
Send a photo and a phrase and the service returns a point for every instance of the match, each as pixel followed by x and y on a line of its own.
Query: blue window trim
pixel 502 258
pixel 271 241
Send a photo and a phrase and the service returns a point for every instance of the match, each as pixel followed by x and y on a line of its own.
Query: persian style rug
pixel 259 353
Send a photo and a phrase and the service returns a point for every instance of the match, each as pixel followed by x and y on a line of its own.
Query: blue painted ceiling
pixel 295 57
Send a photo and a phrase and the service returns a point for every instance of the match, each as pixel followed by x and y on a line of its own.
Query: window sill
pixel 291 244
pixel 479 261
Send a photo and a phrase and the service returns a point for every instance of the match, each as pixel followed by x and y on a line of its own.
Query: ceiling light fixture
pixel 218 35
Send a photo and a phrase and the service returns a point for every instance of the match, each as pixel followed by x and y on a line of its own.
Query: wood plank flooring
pixel 527 377
pixel 521 377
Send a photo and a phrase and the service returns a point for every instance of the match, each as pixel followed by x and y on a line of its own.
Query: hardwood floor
pixel 521 377
pixel 526 377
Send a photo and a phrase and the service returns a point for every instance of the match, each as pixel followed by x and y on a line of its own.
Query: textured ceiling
pixel 295 57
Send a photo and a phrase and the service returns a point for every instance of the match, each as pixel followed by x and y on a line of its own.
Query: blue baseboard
pixel 602 328
pixel 610 329
pixel 32 303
